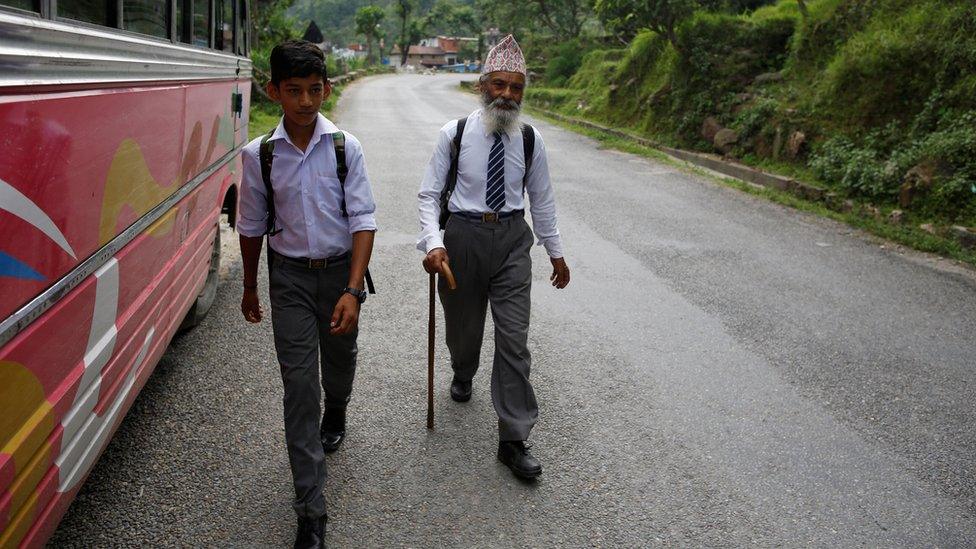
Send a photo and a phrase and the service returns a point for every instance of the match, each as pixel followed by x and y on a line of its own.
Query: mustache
pixel 502 102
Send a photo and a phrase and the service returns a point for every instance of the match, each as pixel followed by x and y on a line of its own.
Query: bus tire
pixel 205 299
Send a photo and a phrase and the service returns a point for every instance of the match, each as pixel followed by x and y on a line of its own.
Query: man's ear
pixel 326 90
pixel 272 92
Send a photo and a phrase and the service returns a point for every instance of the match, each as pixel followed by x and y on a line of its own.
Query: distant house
pixel 433 52
pixel 350 52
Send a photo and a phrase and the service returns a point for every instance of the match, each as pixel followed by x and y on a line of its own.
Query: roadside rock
pixel 767 77
pixel 725 139
pixel 794 145
pixel 929 228
pixel 896 217
pixel 710 127
pixel 917 182
pixel 965 236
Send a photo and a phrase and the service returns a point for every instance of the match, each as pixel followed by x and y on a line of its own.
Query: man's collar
pixel 322 126
pixel 484 127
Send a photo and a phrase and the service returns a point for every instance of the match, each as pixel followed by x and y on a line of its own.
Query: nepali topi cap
pixel 505 56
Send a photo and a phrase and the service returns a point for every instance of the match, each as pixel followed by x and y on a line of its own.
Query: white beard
pixel 497 119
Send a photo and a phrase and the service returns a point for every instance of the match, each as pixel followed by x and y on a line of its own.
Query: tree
pixel 270 24
pixel 368 19
pixel 563 19
pixel 410 31
pixel 627 17
pixel 448 17
pixel 804 12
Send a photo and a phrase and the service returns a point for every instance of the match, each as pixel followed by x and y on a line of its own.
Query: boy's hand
pixel 251 306
pixel 345 317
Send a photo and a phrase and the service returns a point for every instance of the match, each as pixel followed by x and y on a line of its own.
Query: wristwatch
pixel 360 294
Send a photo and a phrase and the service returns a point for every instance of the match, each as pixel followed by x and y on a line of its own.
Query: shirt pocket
pixel 328 194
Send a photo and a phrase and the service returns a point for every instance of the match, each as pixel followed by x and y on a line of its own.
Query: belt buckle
pixel 489 217
pixel 317 263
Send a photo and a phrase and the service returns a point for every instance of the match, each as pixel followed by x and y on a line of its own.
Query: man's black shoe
pixel 460 391
pixel 333 428
pixel 311 533
pixel 516 456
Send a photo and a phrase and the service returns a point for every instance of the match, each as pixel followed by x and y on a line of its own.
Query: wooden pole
pixel 431 325
pixel 430 356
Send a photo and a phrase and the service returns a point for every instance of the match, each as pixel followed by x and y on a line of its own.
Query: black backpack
pixel 528 149
pixel 266 155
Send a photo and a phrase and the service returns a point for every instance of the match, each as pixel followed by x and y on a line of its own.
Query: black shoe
pixel 311 533
pixel 460 390
pixel 516 456
pixel 333 428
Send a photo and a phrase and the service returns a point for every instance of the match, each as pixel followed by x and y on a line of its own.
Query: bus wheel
pixel 201 306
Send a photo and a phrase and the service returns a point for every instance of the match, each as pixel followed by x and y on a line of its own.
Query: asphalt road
pixel 721 371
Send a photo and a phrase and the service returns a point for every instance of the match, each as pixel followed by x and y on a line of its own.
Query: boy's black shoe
pixel 311 533
pixel 460 390
pixel 333 428
pixel 516 456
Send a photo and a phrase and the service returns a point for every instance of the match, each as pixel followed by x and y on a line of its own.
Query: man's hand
pixel 435 260
pixel 345 316
pixel 560 272
pixel 251 305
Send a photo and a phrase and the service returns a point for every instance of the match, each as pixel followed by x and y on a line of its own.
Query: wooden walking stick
pixel 430 342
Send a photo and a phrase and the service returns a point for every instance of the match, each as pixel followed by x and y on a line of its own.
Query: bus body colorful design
pixel 111 191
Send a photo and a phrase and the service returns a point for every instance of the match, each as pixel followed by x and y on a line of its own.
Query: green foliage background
pixel 877 86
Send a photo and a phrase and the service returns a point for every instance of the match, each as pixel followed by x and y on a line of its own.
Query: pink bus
pixel 121 125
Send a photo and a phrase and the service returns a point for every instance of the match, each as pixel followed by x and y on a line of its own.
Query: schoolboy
pixel 321 238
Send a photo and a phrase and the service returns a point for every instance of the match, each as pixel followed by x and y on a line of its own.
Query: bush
pixel 565 62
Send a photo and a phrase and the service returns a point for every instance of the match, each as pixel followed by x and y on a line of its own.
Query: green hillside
pixel 873 98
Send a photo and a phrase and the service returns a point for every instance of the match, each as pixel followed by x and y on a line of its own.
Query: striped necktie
pixel 495 189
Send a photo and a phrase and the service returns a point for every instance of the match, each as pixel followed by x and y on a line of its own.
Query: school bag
pixel 528 149
pixel 266 155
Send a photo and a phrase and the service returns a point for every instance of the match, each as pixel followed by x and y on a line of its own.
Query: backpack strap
pixel 452 172
pixel 266 156
pixel 528 150
pixel 342 170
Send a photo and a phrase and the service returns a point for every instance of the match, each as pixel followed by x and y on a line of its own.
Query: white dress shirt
pixel 307 194
pixel 472 179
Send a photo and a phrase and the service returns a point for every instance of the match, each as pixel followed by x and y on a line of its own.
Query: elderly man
pixel 482 168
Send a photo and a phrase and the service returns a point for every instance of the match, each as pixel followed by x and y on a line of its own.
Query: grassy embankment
pixel 874 100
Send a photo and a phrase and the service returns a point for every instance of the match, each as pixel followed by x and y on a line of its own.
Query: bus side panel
pixel 78 168
pixel 144 327
pixel 77 369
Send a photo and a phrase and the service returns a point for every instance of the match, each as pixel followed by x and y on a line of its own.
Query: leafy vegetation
pixel 875 99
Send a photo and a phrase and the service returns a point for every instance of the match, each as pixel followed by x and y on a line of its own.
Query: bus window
pixel 89 11
pixel 201 23
pixel 29 5
pixel 183 25
pixel 225 25
pixel 243 32
pixel 146 16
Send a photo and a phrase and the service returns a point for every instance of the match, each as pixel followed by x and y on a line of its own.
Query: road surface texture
pixel 721 371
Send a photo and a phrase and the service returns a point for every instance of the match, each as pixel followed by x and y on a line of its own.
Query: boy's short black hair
pixel 296 58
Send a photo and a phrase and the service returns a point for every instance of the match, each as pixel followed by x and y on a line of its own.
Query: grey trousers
pixel 491 264
pixel 302 301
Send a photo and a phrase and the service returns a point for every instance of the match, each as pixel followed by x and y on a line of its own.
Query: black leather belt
pixel 488 217
pixel 310 263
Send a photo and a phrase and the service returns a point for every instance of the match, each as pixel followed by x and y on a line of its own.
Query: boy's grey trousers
pixel 302 302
